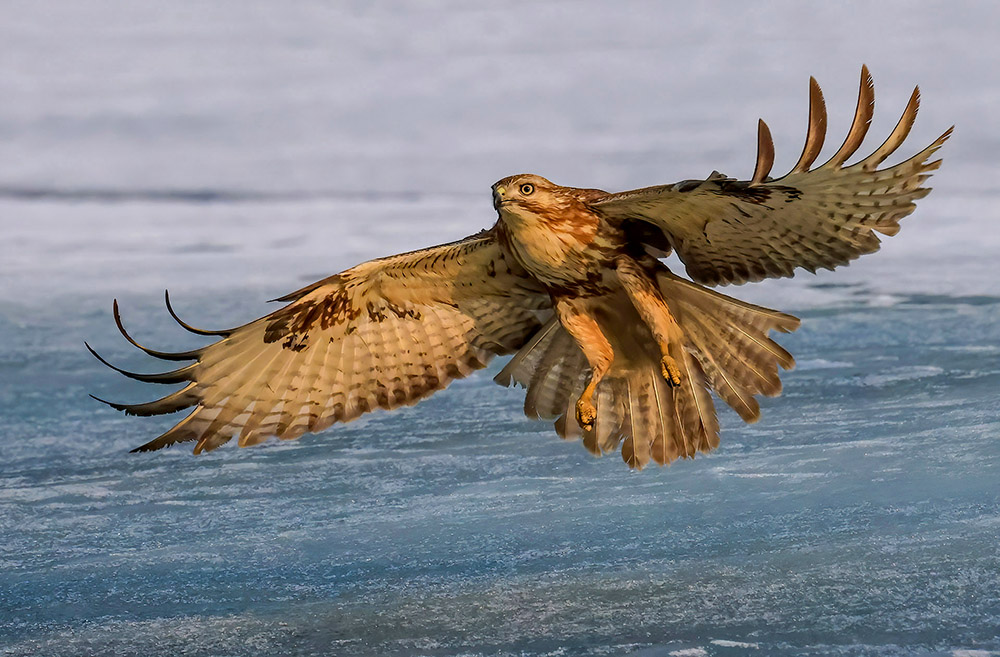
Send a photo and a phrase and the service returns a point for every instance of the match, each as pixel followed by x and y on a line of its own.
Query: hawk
pixel 608 342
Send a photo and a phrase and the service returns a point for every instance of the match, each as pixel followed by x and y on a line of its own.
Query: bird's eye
pixel 527 189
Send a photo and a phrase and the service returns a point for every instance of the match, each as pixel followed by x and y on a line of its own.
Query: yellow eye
pixel 527 189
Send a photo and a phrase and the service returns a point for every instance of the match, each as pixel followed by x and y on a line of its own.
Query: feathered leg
pixel 596 349
pixel 648 301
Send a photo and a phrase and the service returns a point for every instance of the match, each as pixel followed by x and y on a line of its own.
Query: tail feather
pixel 611 416
pixel 558 370
pixel 703 423
pixel 722 368
pixel 554 371
pixel 663 448
pixel 636 447
pixel 729 350
pixel 541 383
pixel 522 366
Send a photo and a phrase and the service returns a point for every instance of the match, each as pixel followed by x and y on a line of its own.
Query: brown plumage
pixel 608 342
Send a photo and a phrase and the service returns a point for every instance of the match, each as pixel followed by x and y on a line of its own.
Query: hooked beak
pixel 498 193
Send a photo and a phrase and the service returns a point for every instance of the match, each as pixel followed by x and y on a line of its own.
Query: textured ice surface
pixel 234 151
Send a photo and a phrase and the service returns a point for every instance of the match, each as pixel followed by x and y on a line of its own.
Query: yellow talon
pixel 671 372
pixel 586 414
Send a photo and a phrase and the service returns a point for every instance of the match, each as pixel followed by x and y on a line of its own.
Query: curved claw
pixel 586 414
pixel 671 371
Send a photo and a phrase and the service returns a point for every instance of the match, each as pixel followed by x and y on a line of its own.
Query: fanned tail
pixel 726 349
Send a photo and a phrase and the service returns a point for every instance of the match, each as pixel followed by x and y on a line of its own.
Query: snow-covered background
pixel 233 151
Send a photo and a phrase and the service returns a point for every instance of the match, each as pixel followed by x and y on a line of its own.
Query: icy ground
pixel 234 151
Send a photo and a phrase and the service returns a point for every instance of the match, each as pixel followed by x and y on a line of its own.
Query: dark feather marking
pixel 375 314
pixel 298 294
pixel 687 185
pixel 591 286
pixel 336 308
pixel 744 192
pixel 640 233
pixel 296 342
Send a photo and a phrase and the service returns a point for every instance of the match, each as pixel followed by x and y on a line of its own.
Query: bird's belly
pixel 567 265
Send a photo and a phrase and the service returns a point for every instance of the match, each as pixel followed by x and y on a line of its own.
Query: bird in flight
pixel 609 343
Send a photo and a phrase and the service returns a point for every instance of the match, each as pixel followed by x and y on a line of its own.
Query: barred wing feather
pixel 731 231
pixel 384 334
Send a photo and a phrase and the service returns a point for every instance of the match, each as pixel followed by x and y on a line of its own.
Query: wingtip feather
pixel 816 133
pixel 186 397
pixel 188 327
pixel 765 154
pixel 897 136
pixel 862 121
pixel 193 354
pixel 174 376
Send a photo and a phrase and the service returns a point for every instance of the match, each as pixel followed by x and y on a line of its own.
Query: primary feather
pixel 730 231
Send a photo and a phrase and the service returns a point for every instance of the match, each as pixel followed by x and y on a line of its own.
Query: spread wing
pixel 386 333
pixel 729 231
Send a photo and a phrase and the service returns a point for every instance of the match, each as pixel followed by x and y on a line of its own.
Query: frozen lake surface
pixel 234 152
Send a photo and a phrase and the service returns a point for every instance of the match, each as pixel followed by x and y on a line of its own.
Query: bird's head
pixel 531 208
pixel 526 196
